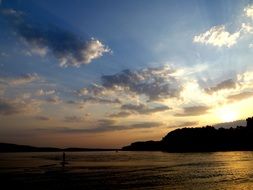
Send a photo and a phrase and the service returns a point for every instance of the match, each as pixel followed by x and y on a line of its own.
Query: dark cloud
pixel 231 124
pixel 71 102
pixel 42 118
pixel 143 109
pixel 185 124
pixel 227 84
pixel 155 83
pixel 7 108
pixel 144 125
pixel 54 99
pixel 69 49
pixel 105 126
pixel 11 107
pixel 23 79
pixel 121 114
pixel 101 100
pixel 240 96
pixel 193 111
pixel 97 94
pixel 73 119
pixel 106 122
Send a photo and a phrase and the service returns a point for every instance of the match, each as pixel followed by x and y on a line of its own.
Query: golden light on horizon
pixel 227 115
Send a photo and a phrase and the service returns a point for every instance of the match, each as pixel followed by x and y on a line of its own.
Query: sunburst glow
pixel 227 115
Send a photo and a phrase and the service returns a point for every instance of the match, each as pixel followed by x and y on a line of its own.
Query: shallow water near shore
pixel 128 170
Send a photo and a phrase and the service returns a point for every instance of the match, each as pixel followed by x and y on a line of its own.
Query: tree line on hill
pixel 202 139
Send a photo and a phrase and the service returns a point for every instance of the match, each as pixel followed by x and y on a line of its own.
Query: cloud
pixel 73 119
pixel 246 28
pixel 249 11
pixel 240 96
pixel 131 109
pixel 121 114
pixel 226 84
pixel 185 124
pixel 72 102
pixel 217 36
pixel 23 79
pixel 42 92
pixel 89 50
pixel 2 88
pixel 12 13
pixel 11 107
pixel 193 111
pixel 7 108
pixel 92 90
pixel 143 109
pixel 42 118
pixel 106 122
pixel 3 54
pixel 16 81
pixel 68 48
pixel 154 83
pixel 54 99
pixel 98 100
pixel 103 127
pixel 231 124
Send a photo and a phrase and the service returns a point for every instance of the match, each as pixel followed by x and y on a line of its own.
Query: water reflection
pixel 133 170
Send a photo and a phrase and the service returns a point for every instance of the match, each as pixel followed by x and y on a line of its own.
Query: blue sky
pixel 95 70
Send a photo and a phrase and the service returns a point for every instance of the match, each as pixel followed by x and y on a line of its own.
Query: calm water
pixel 128 170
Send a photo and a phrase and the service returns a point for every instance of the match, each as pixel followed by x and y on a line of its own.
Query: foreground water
pixel 128 170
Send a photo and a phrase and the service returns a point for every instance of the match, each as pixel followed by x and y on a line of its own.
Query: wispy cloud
pixel 42 92
pixel 54 99
pixel 99 100
pixel 231 124
pixel 42 118
pixel 240 96
pixel 226 84
pixel 17 106
pixel 121 114
pixel 184 124
pixel 68 48
pixel 73 119
pixel 218 36
pixel 193 111
pixel 144 109
pixel 23 79
pixel 105 126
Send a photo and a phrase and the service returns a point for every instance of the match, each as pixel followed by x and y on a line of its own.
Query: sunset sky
pixel 107 73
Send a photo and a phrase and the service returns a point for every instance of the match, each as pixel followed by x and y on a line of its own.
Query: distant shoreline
pixel 15 148
pixel 185 140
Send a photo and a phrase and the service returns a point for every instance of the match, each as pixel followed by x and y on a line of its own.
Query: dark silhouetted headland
pixel 204 139
pixel 7 147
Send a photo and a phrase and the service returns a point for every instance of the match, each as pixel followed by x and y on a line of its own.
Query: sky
pixel 103 74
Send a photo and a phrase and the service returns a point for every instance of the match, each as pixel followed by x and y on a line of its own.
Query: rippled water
pixel 128 170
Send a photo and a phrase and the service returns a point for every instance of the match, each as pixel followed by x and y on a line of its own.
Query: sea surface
pixel 127 170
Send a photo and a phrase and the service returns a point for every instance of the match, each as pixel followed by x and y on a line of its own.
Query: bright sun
pixel 228 116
